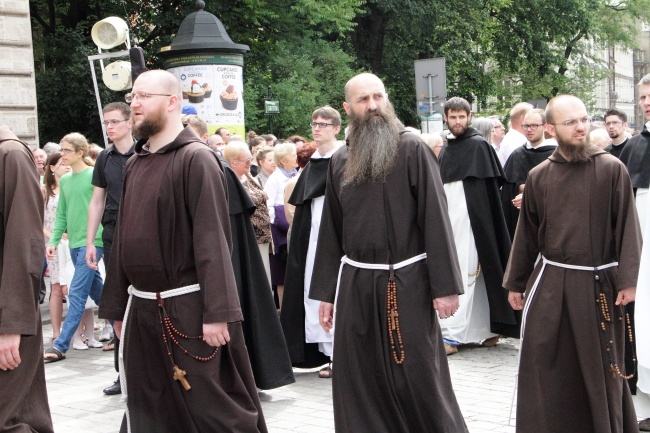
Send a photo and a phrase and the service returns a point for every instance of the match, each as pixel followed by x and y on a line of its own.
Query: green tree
pixel 547 47
pixel 292 47
pixel 391 34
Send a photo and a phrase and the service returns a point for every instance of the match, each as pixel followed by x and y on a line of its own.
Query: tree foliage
pixel 497 52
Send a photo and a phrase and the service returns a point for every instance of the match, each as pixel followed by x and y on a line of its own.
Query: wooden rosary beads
pixel 607 318
pixel 393 320
pixel 168 328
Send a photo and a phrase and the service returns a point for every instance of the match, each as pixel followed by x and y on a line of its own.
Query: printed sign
pixel 215 91
pixel 272 107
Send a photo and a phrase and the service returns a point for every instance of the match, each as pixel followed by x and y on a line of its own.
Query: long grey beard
pixel 374 142
pixel 580 153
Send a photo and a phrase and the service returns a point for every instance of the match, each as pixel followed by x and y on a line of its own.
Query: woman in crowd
pixel 484 126
pixel 284 155
pixel 54 169
pixel 265 162
pixel 254 144
pixel 434 141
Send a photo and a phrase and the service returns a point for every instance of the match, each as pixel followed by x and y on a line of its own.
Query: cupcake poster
pixel 229 80
pixel 196 86
pixel 215 90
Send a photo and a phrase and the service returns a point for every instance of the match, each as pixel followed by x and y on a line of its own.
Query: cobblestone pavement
pixel 483 379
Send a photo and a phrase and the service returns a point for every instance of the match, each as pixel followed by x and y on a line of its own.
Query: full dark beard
pixel 373 144
pixel 577 153
pixel 149 126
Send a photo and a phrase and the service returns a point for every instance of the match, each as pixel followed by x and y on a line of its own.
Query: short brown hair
pixel 328 113
pixel 457 104
pixel 122 107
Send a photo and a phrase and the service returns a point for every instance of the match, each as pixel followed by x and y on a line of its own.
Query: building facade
pixel 17 83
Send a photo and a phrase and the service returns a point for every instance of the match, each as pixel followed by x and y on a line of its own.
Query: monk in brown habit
pixel 385 210
pixel 23 396
pixel 576 255
pixel 186 368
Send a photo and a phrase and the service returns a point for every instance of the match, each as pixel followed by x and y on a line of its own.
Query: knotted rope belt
pixel 167 328
pixel 545 262
pixel 392 316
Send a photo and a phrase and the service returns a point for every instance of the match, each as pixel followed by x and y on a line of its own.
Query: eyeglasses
pixel 66 151
pixel 613 122
pixel 532 126
pixel 246 161
pixel 113 122
pixel 320 124
pixel 130 97
pixel 572 123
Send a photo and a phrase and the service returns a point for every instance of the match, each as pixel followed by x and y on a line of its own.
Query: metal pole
pixel 99 101
pixel 91 59
pixel 270 115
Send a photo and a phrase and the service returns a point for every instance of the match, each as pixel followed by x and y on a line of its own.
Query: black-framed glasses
pixel 113 122
pixel 532 126
pixel 130 97
pixel 572 123
pixel 613 122
pixel 320 124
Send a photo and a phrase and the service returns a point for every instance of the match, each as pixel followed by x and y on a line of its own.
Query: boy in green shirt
pixel 72 217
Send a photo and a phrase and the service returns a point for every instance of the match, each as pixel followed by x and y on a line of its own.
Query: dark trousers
pixel 42 289
pixel 107 239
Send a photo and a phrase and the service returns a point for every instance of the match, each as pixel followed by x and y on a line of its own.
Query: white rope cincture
pixel 373 266
pixel 142 295
pixel 529 301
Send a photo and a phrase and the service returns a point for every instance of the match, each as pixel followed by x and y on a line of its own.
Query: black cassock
pixel 473 160
pixel 265 343
pixel 521 161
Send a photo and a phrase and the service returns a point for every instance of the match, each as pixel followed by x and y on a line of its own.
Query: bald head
pixel 364 93
pixel 561 104
pixel 362 80
pixel 517 114
pixel 160 81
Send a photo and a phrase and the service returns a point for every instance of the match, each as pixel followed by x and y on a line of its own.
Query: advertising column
pixel 213 84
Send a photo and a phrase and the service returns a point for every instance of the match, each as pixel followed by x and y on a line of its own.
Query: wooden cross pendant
pixel 180 375
pixel 393 317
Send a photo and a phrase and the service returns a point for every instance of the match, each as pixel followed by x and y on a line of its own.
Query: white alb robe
pixel 471 323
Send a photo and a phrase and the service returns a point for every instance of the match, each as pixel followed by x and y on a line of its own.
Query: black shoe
pixel 65 300
pixel 644 425
pixel 114 389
